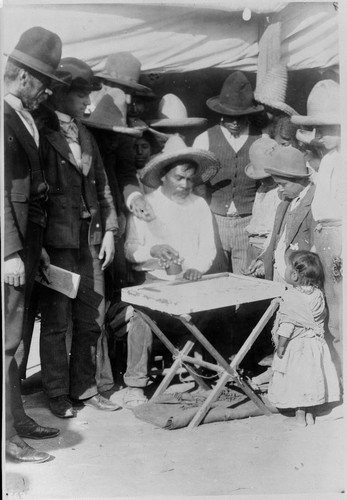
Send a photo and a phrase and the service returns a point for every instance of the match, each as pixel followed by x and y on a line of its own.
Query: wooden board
pixel 211 292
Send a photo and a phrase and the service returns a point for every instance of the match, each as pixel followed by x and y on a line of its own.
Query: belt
pixel 235 215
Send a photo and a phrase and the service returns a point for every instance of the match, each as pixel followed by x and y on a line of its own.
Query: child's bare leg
pixel 310 420
pixel 299 420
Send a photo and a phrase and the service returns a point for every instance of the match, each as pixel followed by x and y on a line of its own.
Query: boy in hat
pixel 79 237
pixel 178 241
pixel 232 192
pixel 293 225
pixel 30 68
pixel 323 113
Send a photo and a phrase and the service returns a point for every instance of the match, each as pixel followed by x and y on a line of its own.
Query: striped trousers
pixel 234 240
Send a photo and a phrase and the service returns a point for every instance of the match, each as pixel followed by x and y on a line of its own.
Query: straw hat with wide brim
pixel 288 162
pixel 175 150
pixel 172 113
pixel 323 105
pixel 109 109
pixel 235 98
pixel 123 68
pixel 40 50
pixel 260 157
pixel 271 91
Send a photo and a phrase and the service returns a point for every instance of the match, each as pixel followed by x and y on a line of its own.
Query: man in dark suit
pixel 30 68
pixel 293 225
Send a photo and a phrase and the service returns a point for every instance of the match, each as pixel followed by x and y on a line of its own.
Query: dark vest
pixel 231 183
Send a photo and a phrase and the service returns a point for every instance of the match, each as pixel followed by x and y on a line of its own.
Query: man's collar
pixel 14 102
pixel 63 117
pixel 226 132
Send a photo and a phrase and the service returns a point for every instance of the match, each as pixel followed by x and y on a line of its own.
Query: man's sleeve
pixel 202 142
pixel 207 247
pixel 136 248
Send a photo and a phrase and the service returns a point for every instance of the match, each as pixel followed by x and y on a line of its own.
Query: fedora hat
pixel 82 76
pixel 271 90
pixel 323 105
pixel 124 69
pixel 260 158
pixel 176 150
pixel 235 98
pixel 288 162
pixel 40 50
pixel 173 113
pixel 108 112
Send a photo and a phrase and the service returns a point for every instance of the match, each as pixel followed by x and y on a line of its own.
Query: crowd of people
pixel 94 187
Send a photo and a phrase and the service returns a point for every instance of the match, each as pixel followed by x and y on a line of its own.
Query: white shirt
pixel 202 142
pixel 328 198
pixel 74 146
pixel 24 115
pixel 279 254
pixel 186 227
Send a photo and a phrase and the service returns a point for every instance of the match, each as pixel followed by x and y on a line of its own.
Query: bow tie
pixel 70 131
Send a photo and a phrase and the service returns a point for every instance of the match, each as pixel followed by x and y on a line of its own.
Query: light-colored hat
pixel 271 91
pixel 236 97
pixel 173 113
pixel 123 68
pixel 175 150
pixel 40 50
pixel 260 158
pixel 109 110
pixel 288 162
pixel 323 105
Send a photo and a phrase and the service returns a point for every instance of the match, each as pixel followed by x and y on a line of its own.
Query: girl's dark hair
pixel 309 268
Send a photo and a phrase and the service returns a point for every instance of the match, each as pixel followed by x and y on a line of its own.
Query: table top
pixel 213 291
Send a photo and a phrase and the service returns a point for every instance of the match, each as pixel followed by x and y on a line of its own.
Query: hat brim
pixel 125 83
pixel 250 171
pixel 112 128
pixel 215 105
pixel 36 65
pixel 177 123
pixel 281 106
pixel 316 120
pixel 287 174
pixel 207 162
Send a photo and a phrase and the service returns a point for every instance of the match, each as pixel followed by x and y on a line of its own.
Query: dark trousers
pixel 17 301
pixel 72 375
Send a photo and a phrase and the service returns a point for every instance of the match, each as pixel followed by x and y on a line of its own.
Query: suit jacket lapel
pixel 60 144
pixel 300 213
pixel 20 131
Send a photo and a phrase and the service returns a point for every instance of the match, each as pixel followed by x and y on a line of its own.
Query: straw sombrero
pixel 176 150
pixel 172 113
pixel 271 91
pixel 323 105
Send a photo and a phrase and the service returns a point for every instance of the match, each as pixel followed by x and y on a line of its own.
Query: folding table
pixel 180 298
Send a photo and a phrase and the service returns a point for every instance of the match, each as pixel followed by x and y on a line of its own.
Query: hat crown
pixel 260 154
pixel 237 92
pixel 81 74
pixel 123 66
pixel 39 49
pixel 324 99
pixel 109 107
pixel 173 144
pixel 287 161
pixel 273 86
pixel 171 106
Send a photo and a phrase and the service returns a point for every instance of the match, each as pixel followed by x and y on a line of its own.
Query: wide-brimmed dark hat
pixel 109 112
pixel 271 90
pixel 40 50
pixel 236 97
pixel 176 150
pixel 172 113
pixel 82 76
pixel 288 162
pixel 260 157
pixel 323 105
pixel 124 69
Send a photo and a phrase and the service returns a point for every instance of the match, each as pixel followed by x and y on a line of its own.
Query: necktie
pixel 70 131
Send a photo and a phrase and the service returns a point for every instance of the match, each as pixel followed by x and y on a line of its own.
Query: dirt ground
pixel 100 455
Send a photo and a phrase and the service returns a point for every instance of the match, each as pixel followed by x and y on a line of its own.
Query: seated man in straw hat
pixel 179 241
pixel 293 225
pixel 232 192
pixel 323 113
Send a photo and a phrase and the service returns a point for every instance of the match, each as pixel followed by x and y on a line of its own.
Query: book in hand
pixel 61 280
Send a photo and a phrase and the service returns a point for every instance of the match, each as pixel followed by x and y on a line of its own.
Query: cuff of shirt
pixel 131 198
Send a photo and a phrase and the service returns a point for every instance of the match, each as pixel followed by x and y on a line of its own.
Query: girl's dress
pixel 306 375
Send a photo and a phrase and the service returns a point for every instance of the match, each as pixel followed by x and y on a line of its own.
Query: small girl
pixel 304 375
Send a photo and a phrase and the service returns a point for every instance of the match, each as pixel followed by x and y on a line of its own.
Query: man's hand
pixel 256 268
pixel 192 275
pixel 107 250
pixel 142 209
pixel 14 270
pixel 164 252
